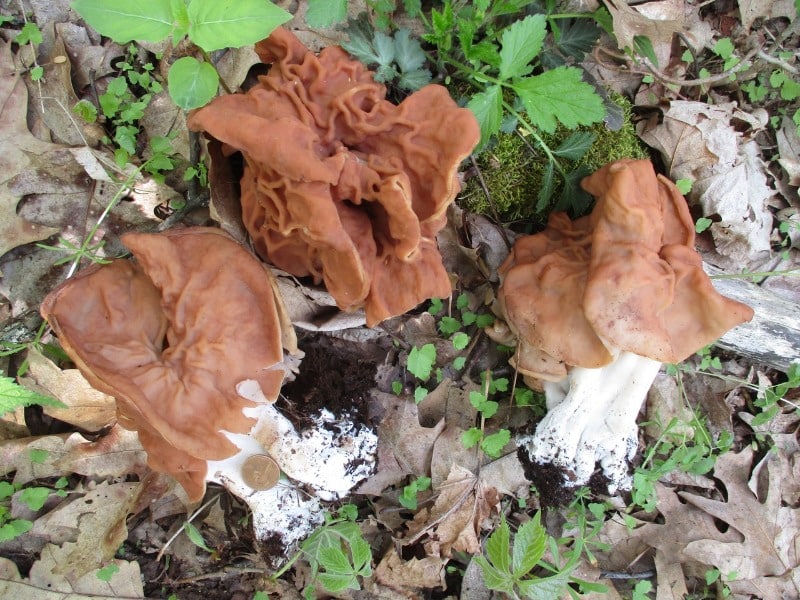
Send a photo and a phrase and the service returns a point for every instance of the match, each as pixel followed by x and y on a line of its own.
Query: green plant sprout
pixel 493 444
pixel 408 497
pixel 33 497
pixel 324 13
pixel 420 364
pixel 14 396
pixel 208 24
pixel 521 571
pixel 31 34
pixel 337 553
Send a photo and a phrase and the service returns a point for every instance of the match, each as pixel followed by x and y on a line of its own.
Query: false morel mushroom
pixel 596 305
pixel 339 183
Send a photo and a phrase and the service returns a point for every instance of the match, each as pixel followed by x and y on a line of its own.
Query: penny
pixel 261 472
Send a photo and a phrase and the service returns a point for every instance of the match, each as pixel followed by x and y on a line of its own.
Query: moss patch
pixel 513 168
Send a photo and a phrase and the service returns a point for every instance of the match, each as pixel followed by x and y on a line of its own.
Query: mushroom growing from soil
pixel 339 183
pixel 190 340
pixel 596 305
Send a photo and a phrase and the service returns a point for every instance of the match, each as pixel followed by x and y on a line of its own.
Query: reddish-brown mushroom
pixel 341 184
pixel 171 336
pixel 597 305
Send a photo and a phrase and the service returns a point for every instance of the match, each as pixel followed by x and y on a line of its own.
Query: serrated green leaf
pixel 471 437
pixel 489 409
pixel 127 20
pixel 498 547
pixel 30 33
pixel 324 13
pixel 420 393
pixel 545 188
pixel 6 490
pixel 412 7
pixel 195 536
pixel 362 556
pixel 530 542
pixel 409 54
pixel 14 529
pixel 576 145
pixel 545 588
pixel 34 497
pixel 493 578
pixel 232 23
pixel 414 80
pixel 192 83
pixel 384 48
pixel 334 560
pixel 559 96
pixel 14 396
pixel 460 340
pixel 360 47
pixel 420 361
pixel 336 582
pixel 492 445
pixel 487 106
pixel 519 44
pixel 577 38
pixel 449 325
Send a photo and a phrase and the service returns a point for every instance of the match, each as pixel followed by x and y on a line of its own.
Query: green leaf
pixel 397 387
pixel 530 543
pixel 410 56
pixel 561 96
pixel 724 48
pixel 336 582
pixel 497 547
pixel 30 33
pixel 414 80
pixel 644 46
pixel 195 536
pixel 420 361
pixel 495 579
pixel 14 529
pixel 449 325
pixel 702 224
pixel 6 490
pixel 107 572
pixel 459 362
pixel 492 445
pixel 576 145
pixel 420 393
pixel 519 44
pixel 192 83
pixel 471 437
pixel 362 556
pixel 547 587
pixel 34 497
pixel 232 23
pixel 324 13
pixel 14 396
pixel 127 20
pixel 577 38
pixel 460 340
pixel 334 560
pixel 488 109
pixel 545 188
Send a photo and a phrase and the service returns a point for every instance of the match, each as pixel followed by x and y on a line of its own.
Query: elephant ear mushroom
pixel 171 336
pixel 341 184
pixel 597 305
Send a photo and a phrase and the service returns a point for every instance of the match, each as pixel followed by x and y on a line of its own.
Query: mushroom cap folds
pixel 626 277
pixel 170 336
pixel 339 183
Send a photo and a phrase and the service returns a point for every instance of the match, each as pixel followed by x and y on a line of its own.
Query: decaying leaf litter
pixel 107 517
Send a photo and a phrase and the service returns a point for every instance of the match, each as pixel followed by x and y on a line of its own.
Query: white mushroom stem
pixel 591 419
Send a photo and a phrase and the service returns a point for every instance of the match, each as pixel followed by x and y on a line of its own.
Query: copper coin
pixel 261 472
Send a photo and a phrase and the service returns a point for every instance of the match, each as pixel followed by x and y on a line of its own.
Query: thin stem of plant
pixel 191 518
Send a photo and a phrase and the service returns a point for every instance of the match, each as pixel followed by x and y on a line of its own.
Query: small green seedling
pixel 408 497
pixel 208 24
pixel 14 396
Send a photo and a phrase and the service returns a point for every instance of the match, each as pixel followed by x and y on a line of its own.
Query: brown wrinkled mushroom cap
pixel 170 337
pixel 625 277
pixel 340 183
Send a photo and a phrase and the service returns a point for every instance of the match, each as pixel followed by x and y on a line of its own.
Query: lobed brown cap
pixel 626 277
pixel 170 336
pixel 341 184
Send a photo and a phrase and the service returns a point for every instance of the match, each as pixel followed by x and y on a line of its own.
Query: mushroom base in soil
pixel 595 305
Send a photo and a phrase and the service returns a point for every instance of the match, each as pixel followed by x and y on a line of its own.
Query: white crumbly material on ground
pixel 591 419
pixel 328 459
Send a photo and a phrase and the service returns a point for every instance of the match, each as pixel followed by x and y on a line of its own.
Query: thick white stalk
pixel 592 419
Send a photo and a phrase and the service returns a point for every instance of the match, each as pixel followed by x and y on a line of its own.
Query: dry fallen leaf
pixel 86 408
pixel 750 10
pixel 698 142
pixel 454 522
pixel 766 562
pixel 415 573
pixel 16 145
pixel 657 21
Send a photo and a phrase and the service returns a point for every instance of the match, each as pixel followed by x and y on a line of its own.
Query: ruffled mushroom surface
pixel 341 184
pixel 171 336
pixel 597 304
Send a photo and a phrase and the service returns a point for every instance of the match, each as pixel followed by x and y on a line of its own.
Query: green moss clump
pixel 513 168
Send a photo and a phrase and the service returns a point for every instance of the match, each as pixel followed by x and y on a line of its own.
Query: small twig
pixel 490 200
pixel 618 575
pixel 778 62
pixel 225 571
pixel 189 520
pixel 710 80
